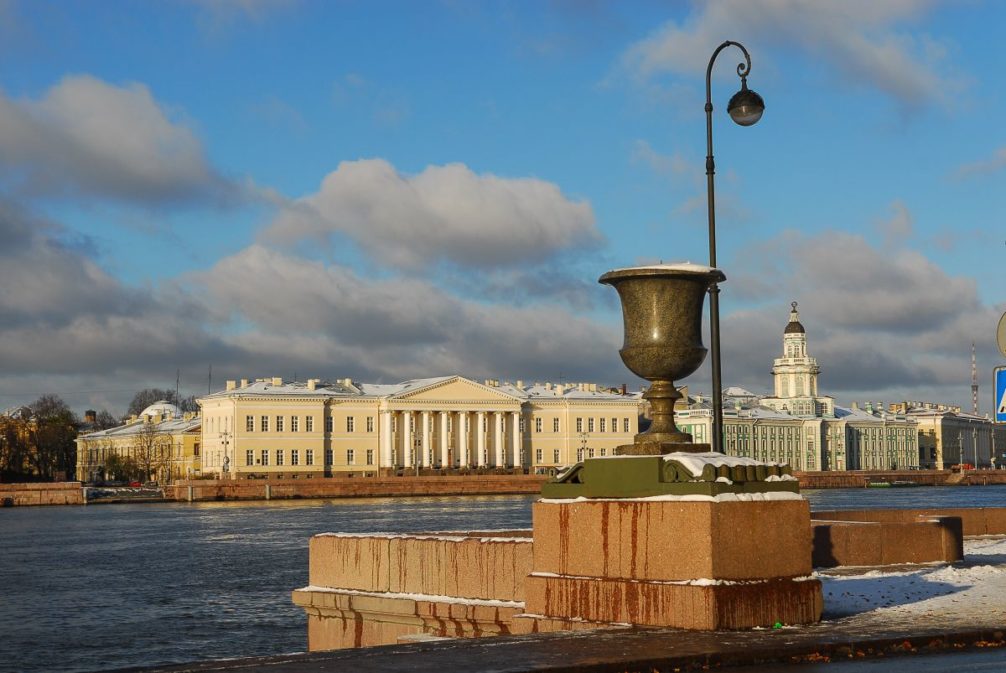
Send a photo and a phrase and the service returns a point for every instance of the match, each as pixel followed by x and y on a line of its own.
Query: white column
pixel 444 462
pixel 461 431
pixel 387 458
pixel 480 438
pixel 518 441
pixel 406 434
pixel 498 439
pixel 424 441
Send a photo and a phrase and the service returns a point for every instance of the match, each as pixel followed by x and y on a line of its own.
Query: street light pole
pixel 745 108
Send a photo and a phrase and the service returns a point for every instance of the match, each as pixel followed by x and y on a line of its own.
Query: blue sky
pixel 387 190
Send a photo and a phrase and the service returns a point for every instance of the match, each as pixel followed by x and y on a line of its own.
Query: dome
pixel 162 408
pixel 794 326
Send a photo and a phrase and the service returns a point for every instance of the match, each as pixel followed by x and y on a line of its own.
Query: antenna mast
pixel 974 380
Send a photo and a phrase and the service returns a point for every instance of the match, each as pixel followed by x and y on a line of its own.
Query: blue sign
pixel 999 386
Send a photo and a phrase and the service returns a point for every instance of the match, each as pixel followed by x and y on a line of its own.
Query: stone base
pixel 701 606
pixel 660 448
pixel 684 564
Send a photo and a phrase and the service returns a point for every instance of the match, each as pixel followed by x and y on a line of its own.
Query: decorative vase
pixel 662 314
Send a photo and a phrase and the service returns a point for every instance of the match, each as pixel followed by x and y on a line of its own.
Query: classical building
pixel 271 427
pixel 161 441
pixel 949 437
pixel 798 426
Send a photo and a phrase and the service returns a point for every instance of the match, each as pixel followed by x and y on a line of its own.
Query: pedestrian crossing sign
pixel 999 381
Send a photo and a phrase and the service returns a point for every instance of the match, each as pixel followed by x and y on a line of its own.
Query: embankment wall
pixel 43 493
pixel 358 487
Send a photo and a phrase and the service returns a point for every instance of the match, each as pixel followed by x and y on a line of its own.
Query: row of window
pixel 280 424
pixel 278 457
pixel 602 424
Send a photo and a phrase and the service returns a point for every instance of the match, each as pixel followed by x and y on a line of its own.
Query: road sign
pixel 1001 335
pixel 999 385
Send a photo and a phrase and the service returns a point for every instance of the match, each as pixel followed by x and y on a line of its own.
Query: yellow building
pixel 161 442
pixel 272 428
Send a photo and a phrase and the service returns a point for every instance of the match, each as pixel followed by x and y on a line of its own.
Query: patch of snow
pixel 416 597
pixel 695 462
pixel 722 497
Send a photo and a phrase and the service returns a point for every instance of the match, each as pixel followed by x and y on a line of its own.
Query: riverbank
pixel 206 490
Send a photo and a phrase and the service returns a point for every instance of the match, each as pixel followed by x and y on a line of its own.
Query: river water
pixel 108 586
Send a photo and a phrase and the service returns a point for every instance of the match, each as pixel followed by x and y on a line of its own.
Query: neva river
pixel 110 586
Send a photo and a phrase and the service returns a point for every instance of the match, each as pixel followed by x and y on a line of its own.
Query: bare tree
pixel 148 396
pixel 53 432
pixel 151 449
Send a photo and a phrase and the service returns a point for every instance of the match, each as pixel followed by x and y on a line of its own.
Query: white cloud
pixel 993 164
pixel 861 39
pixel 445 213
pixel 328 316
pixel 884 323
pixel 86 136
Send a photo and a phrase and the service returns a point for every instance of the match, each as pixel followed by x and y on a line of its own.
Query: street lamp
pixel 745 108
pixel 225 440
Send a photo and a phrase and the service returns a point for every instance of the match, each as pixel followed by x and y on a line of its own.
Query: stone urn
pixel 662 313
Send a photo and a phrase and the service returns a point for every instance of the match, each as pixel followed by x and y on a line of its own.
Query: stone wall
pixel 974 520
pixel 266 489
pixel 46 493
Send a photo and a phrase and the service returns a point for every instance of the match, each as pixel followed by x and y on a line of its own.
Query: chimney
pixel 548 385
pixel 277 381
pixel 520 384
pixel 559 389
pixel 244 383
pixel 90 416
pixel 231 385
pixel 624 389
pixel 312 384
pixel 347 382
pixel 855 406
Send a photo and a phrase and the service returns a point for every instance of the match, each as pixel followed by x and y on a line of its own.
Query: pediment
pixel 456 390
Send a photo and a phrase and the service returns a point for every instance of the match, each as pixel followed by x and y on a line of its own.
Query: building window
pixel 614 425
pixel 309 423
pixel 295 424
pixel 265 457
pixel 279 424
pixel 579 425
pixel 625 424
pixel 350 457
pixel 250 423
pixel 537 425
pixel 370 423
pixel 604 452
pixel 249 457
pixel 590 425
pixel 579 455
pixel 590 453
pixel 309 456
pixel 603 427
pixel 295 456
pixel 265 424
pixel 195 449
pixel 279 457
pixel 522 424
pixel 370 456
pixel 350 424
pixel 537 456
pixel 328 456
pixel 555 456
pixel 329 424
pixel 555 425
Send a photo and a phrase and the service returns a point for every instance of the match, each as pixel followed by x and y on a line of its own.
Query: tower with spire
pixel 795 375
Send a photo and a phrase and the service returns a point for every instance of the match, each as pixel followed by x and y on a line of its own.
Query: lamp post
pixel 745 108
pixel 225 440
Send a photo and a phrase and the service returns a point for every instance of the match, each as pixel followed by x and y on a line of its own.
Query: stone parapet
pixel 877 543
pixel 974 520
pixel 42 493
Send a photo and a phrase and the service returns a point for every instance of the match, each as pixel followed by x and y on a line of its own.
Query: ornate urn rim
pixel 651 270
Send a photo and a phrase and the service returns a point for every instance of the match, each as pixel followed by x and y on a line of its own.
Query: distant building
pixel 799 426
pixel 271 427
pixel 161 440
pixel 949 437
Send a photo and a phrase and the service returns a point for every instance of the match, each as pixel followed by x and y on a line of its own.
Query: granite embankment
pixel 42 493
pixel 357 487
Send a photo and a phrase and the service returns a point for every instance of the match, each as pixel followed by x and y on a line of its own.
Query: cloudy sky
pixel 388 190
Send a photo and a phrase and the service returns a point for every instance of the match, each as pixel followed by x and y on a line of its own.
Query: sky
pixel 393 190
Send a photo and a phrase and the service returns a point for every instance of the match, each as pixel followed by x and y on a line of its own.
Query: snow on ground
pixel 972 593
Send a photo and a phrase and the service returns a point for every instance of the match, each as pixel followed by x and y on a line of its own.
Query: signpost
pixel 1001 335
pixel 999 386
